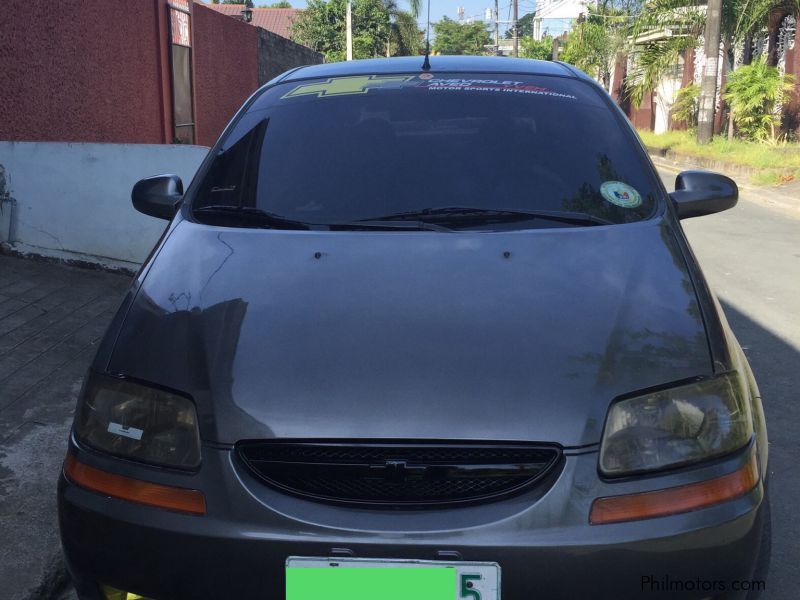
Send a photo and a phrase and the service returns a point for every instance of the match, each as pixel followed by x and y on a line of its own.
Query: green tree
pixel 281 4
pixel 453 37
pixel 524 28
pixel 405 37
pixel 404 34
pixel 321 27
pixel 754 92
pixel 415 7
pixel 380 28
pixel 657 55
pixel 594 43
pixel 541 50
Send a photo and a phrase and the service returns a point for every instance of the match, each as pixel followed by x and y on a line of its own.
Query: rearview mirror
pixel 158 196
pixel 700 193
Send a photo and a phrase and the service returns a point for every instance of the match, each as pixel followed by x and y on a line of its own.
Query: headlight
pixel 138 422
pixel 676 426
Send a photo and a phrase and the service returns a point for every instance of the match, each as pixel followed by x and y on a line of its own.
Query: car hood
pixel 527 335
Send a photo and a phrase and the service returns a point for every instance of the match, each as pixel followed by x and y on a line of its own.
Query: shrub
pixel 541 50
pixel 754 93
pixel 687 105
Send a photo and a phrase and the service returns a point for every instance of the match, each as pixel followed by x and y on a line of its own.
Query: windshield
pixel 425 146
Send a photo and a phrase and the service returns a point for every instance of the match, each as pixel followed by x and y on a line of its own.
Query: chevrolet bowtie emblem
pixel 397 471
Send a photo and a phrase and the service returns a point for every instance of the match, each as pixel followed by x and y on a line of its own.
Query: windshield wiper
pixel 250 215
pixel 260 218
pixel 390 224
pixel 488 215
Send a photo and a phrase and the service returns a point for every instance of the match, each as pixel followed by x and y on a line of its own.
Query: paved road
pixel 751 258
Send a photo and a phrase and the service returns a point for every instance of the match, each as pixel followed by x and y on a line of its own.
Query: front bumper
pixel 543 542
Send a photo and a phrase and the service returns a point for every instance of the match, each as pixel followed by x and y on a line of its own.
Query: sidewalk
pixel 51 319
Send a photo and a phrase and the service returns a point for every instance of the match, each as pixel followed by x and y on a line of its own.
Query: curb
pixel 9 250
pixel 723 166
pixel 769 196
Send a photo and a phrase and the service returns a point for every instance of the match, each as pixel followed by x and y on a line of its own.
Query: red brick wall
pixel 81 70
pixel 224 74
pixel 687 79
pixel 720 116
pixel 642 116
pixel 688 67
pixel 791 112
pixel 618 92
pixel 99 71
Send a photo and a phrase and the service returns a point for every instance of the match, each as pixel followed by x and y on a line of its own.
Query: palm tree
pixel 404 37
pixel 661 33
pixel 415 7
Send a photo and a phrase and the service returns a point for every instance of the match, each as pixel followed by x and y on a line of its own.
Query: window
pixel 181 65
pixel 340 150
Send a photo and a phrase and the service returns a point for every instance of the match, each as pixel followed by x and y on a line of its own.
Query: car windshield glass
pixel 463 151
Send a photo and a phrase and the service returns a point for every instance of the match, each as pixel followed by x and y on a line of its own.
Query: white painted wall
pixel 666 92
pixel 74 200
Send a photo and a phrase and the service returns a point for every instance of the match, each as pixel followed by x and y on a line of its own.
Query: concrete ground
pixel 52 316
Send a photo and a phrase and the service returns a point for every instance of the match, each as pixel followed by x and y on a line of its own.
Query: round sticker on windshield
pixel 620 194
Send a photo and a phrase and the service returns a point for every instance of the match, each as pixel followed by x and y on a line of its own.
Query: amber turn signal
pixel 661 503
pixel 134 490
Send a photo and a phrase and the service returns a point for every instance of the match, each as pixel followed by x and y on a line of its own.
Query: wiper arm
pixel 391 223
pixel 250 215
pixel 262 218
pixel 449 213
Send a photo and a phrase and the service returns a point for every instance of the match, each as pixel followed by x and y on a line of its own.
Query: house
pixel 276 20
pixel 776 42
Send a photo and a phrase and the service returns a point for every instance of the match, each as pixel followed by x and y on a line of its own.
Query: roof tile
pixel 277 20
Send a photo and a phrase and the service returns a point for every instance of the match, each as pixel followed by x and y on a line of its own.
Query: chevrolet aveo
pixel 421 334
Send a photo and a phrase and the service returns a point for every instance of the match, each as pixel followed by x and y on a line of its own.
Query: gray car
pixel 421 333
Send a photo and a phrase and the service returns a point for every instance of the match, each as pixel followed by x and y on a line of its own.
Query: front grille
pixel 398 474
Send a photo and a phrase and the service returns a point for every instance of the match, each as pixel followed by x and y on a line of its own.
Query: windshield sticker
pixel 345 86
pixel 620 194
pixel 492 85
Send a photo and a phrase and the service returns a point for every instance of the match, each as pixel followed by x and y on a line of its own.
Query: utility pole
pixel 514 25
pixel 349 30
pixel 708 85
pixel 496 26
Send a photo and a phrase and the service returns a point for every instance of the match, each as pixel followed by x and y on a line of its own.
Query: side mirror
pixel 158 196
pixel 699 193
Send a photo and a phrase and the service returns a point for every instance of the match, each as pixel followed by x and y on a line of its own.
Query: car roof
pixel 451 64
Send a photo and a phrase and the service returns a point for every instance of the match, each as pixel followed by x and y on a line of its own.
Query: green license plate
pixel 310 578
